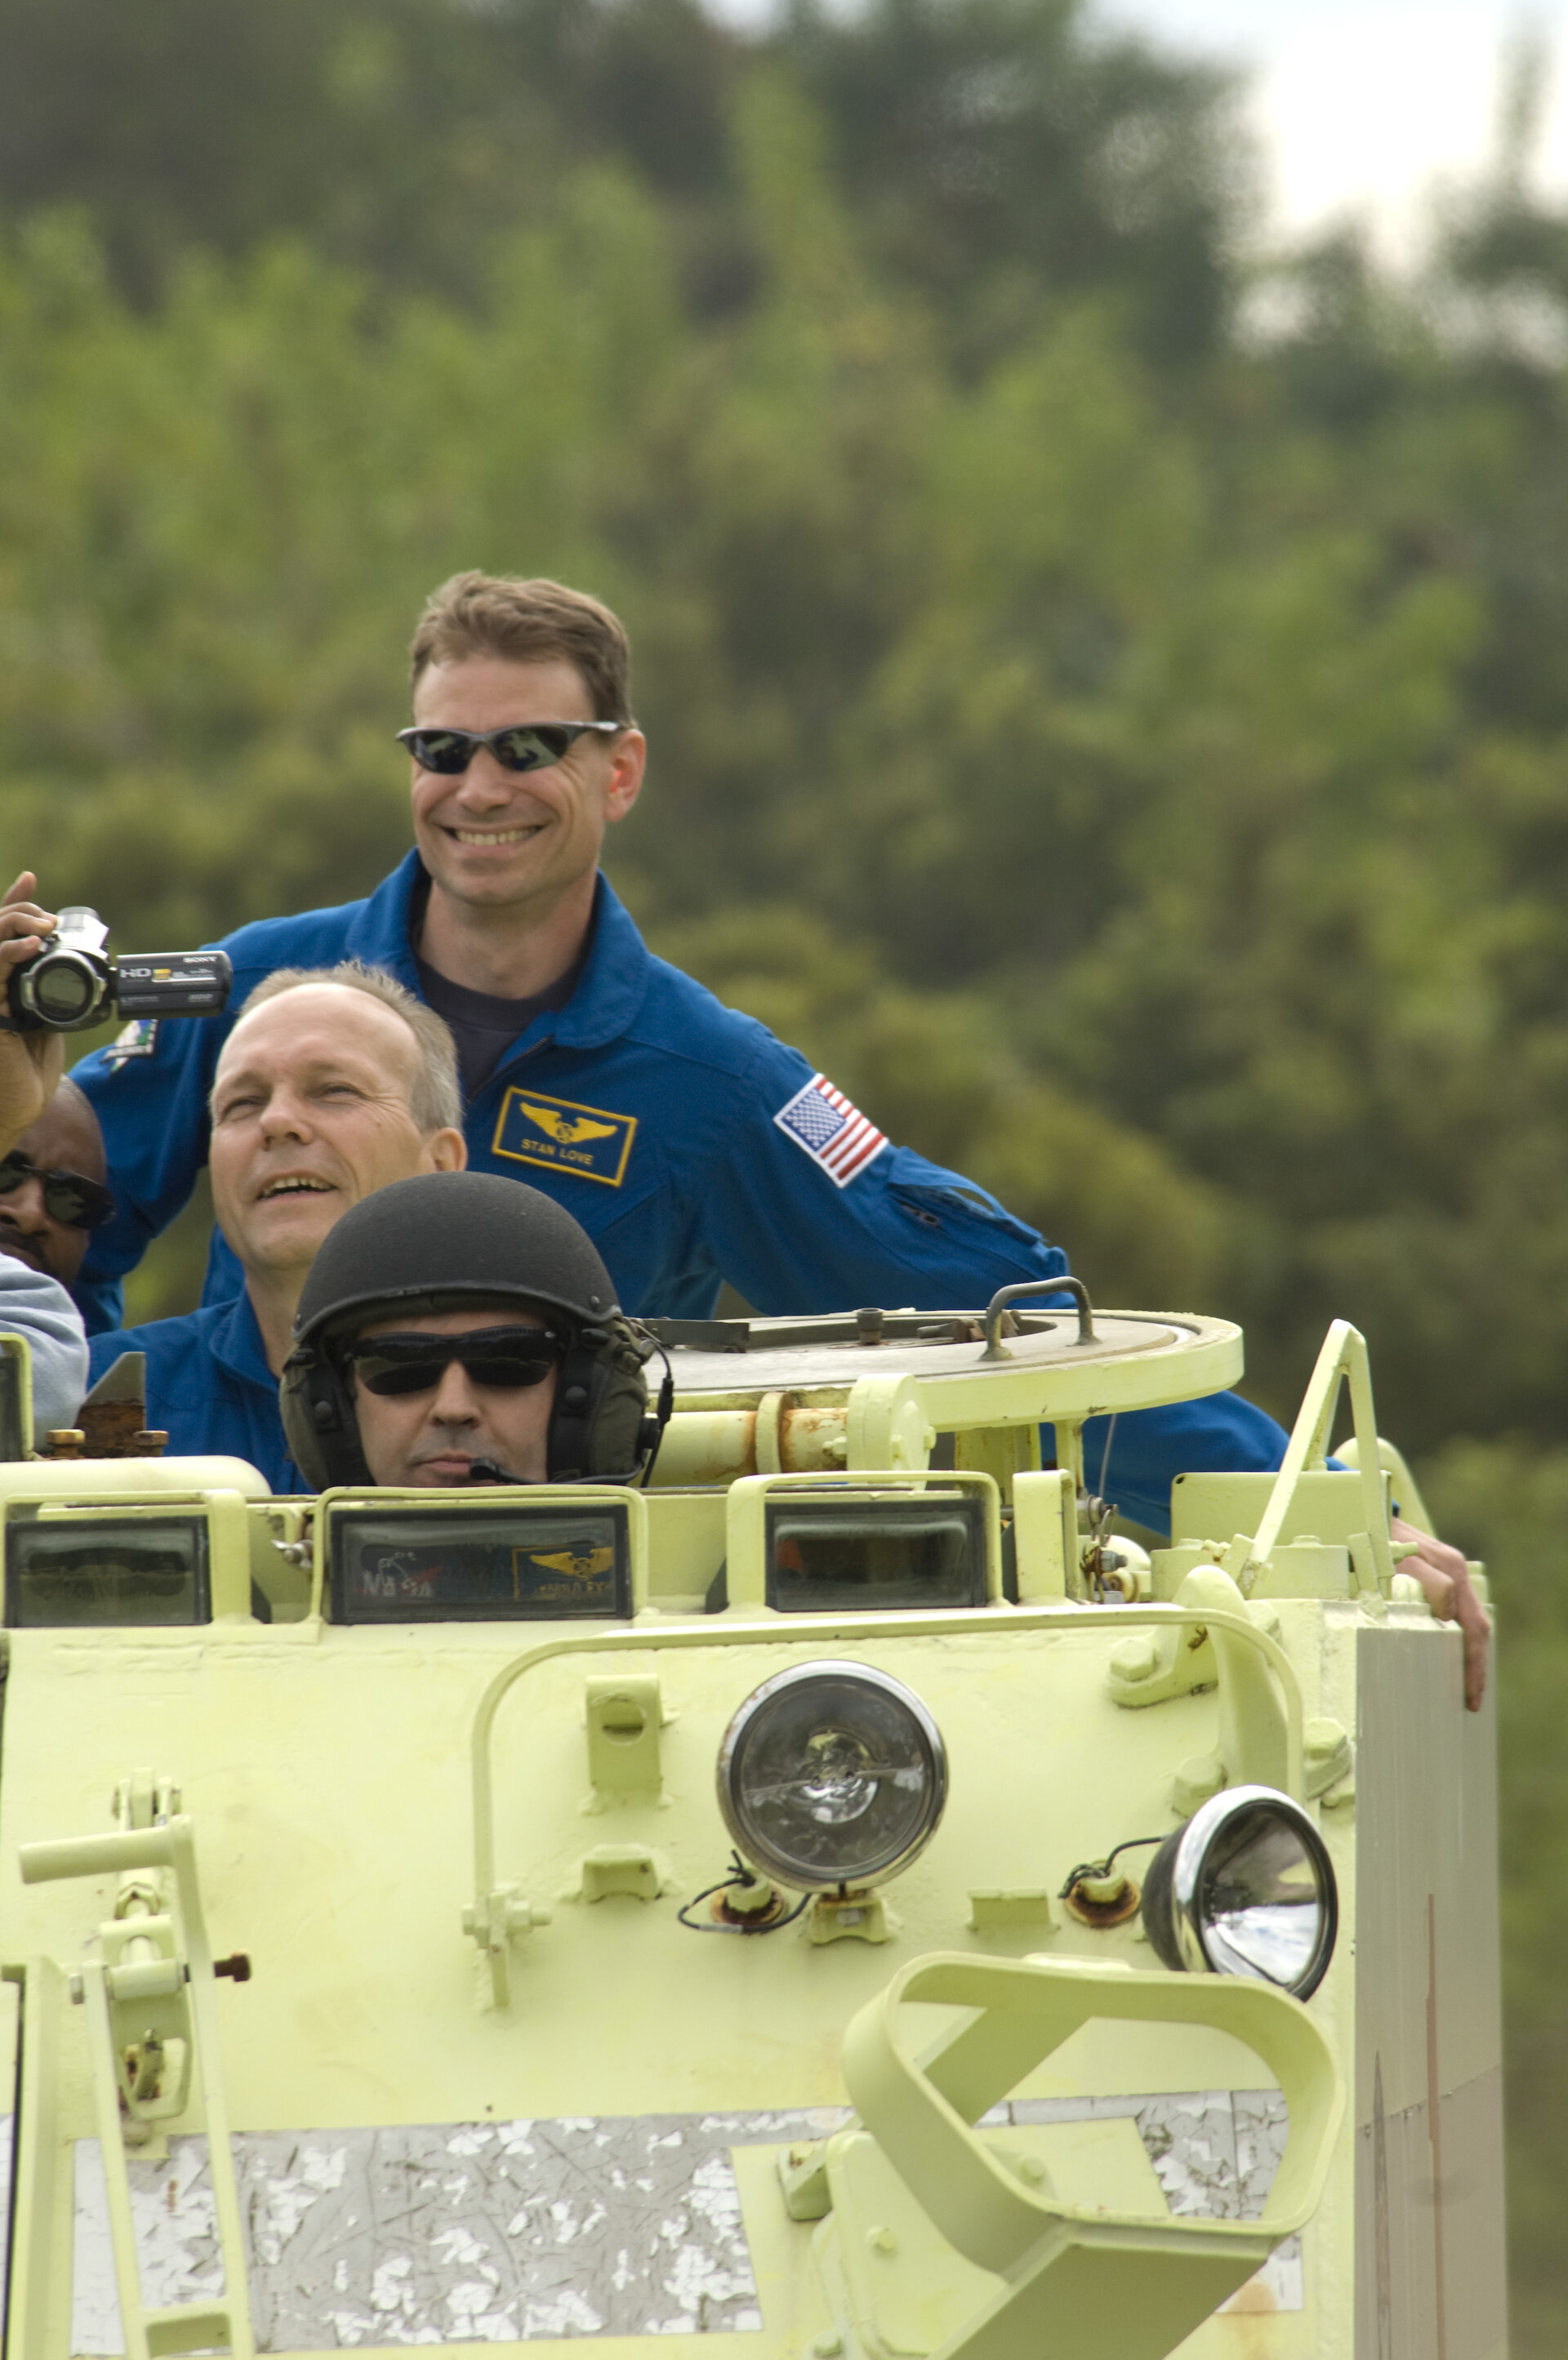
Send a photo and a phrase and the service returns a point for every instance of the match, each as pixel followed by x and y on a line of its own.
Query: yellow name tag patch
pixel 564 1137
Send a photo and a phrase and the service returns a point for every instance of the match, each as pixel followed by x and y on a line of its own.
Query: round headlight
pixel 831 1773
pixel 1245 1888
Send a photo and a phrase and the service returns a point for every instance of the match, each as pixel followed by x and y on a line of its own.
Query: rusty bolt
pixel 1103 1900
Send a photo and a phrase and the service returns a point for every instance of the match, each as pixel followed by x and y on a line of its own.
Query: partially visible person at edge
pixel 461 1328
pixel 333 1083
pixel 48 1200
pixel 693 1146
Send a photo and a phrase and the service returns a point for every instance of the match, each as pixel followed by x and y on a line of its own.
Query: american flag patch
pixel 833 1132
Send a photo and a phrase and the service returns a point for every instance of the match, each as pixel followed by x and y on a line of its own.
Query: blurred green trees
pixel 1108 702
pixel 992 153
pixel 1197 720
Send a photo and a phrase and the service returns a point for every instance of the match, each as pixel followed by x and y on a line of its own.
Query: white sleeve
pixel 39 1310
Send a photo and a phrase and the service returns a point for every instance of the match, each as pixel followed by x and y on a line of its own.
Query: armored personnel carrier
pixel 839 1902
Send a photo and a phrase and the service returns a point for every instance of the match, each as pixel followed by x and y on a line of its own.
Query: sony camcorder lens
pixel 72 982
pixel 63 990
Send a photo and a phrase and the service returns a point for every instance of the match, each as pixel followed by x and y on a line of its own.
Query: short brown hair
pixel 435 1102
pixel 497 615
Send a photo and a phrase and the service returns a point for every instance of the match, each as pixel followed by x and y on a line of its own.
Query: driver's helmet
pixel 439 1242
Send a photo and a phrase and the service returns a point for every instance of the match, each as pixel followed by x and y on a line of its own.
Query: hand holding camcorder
pixel 73 981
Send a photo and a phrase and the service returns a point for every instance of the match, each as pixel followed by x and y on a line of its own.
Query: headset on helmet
pixel 437 1244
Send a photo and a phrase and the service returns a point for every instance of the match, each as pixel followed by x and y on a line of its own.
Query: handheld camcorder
pixel 72 982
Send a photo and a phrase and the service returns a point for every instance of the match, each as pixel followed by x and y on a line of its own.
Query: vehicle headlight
pixel 831 1773
pixel 1245 1888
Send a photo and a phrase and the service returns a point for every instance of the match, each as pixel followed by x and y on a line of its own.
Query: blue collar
pixel 235 1341
pixel 611 989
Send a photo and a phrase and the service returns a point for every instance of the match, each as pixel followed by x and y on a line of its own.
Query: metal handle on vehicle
pixel 994 1349
pixel 127 2001
pixel 919 2110
pixel 105 1855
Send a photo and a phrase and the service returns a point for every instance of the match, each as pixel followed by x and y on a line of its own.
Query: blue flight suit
pixel 688 1140
pixel 209 1386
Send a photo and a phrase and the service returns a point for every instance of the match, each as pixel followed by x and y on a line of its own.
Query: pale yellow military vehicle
pixel 838 1903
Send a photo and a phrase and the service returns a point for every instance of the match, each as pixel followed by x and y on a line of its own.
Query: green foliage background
pixel 1107 695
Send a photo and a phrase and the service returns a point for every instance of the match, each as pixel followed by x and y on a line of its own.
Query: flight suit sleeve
pixel 901 1231
pixel 791 1233
pixel 38 1309
pixel 151 1099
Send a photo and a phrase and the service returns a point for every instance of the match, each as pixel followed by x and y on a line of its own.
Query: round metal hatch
pixel 723 1362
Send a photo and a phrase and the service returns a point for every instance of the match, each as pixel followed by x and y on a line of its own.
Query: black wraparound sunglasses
pixel 524 746
pixel 69 1197
pixel 415 1363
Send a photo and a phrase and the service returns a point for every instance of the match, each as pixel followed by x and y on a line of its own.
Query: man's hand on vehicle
pixel 1451 1594
pixel 30 1063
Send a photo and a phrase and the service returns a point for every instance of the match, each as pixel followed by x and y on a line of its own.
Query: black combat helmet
pixel 440 1243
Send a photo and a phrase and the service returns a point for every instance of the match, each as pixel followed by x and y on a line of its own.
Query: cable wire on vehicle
pixel 738 1873
pixel 1098 1868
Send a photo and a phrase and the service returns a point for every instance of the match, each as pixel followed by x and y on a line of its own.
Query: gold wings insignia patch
pixel 587 1141
pixel 581 1565
pixel 567 1129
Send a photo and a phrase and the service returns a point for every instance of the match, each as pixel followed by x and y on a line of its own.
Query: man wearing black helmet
pixel 461 1328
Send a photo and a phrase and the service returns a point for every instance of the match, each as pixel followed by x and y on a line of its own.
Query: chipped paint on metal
pixel 176 2225
pixel 465 2232
pixel 1213 2152
pixel 1191 2143
pixel 495 2232
pixel 1216 2152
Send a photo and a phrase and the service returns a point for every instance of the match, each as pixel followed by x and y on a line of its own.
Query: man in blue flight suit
pixel 334 1084
pixel 692 1145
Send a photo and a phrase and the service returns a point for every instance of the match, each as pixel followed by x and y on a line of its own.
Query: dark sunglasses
pixel 506 1357
pixel 69 1197
pixel 531 746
